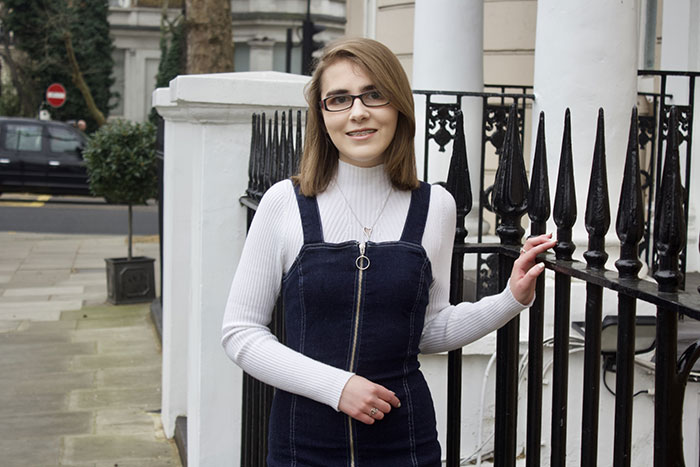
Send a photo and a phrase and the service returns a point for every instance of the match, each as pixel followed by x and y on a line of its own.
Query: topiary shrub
pixel 121 164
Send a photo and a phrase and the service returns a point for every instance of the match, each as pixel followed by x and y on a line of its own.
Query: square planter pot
pixel 130 281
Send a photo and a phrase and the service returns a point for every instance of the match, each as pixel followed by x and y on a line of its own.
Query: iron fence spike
pixel 597 216
pixel 565 196
pixel 510 186
pixel 458 183
pixel 669 220
pixel 538 201
pixel 630 214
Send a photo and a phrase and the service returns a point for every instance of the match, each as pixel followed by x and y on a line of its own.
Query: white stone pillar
pixel 448 56
pixel 208 127
pixel 586 58
pixel 176 260
pixel 261 54
pixel 680 50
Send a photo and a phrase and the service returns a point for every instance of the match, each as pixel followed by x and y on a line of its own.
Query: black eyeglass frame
pixel 324 105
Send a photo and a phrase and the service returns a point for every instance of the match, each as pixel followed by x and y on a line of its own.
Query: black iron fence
pixel 512 198
pixel 654 135
pixel 441 126
pixel 275 149
pixel 274 155
pixel 440 130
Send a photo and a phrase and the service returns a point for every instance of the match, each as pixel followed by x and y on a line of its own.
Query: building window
pixel 116 103
pixel 241 56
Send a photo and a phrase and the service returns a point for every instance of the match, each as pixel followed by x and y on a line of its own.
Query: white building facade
pixel 259 35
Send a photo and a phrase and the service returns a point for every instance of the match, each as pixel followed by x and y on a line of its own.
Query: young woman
pixel 360 250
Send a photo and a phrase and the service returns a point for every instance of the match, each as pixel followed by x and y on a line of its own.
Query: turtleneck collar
pixel 352 177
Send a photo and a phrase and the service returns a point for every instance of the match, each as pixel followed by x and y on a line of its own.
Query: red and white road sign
pixel 56 95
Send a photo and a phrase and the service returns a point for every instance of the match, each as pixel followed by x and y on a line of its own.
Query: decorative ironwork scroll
pixel 442 121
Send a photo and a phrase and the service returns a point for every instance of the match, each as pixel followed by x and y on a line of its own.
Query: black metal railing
pixel 441 125
pixel 511 201
pixel 275 149
pixel 274 155
pixel 654 131
pixel 440 129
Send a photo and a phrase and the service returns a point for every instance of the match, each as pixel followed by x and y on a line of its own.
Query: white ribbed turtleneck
pixel 273 242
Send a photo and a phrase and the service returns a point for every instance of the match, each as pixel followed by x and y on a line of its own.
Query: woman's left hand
pixel 525 269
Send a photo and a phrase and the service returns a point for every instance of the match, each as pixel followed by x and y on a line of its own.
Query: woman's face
pixel 360 133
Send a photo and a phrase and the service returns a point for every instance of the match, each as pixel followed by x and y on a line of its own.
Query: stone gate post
pixel 207 144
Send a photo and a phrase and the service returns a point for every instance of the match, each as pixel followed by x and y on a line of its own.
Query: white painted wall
pixel 208 126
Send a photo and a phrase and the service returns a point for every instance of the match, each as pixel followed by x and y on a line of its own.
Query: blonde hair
pixel 320 158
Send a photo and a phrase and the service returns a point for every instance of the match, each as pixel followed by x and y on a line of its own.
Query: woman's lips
pixel 361 133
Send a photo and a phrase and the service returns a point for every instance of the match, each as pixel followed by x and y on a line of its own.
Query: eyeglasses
pixel 341 102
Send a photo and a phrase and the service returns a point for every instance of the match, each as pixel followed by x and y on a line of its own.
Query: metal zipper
pixel 362 263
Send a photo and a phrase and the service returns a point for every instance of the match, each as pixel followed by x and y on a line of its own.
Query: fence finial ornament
pixel 630 213
pixel 597 217
pixel 669 219
pixel 565 197
pixel 510 186
pixel 458 183
pixel 538 201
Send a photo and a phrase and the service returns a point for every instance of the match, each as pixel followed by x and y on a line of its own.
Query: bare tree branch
pixel 80 83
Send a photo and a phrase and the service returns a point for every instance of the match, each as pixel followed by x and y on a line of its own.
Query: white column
pixel 680 50
pixel 176 260
pixel 586 58
pixel 370 18
pixel 208 126
pixel 448 56
pixel 261 54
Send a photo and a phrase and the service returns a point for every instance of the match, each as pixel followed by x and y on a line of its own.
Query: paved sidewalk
pixel 80 379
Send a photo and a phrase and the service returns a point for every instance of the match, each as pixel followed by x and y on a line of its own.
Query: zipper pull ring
pixel 362 261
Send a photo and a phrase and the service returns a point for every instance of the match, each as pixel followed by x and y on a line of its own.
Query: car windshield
pixel 63 140
pixel 21 137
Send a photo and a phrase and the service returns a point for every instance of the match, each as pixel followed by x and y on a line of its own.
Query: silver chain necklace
pixel 366 230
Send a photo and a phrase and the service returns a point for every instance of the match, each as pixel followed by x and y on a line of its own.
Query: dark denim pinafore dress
pixel 363 312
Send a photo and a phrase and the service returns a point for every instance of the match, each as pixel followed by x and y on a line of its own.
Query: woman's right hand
pixel 360 396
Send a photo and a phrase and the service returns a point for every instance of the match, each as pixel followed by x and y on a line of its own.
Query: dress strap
pixel 310 217
pixel 417 214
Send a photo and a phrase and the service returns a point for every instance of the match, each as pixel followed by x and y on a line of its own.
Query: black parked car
pixel 38 156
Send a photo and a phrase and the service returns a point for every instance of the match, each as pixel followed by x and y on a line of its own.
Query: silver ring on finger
pixel 523 250
pixel 373 412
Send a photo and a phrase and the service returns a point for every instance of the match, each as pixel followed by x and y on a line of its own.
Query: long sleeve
pixel 247 339
pixel 448 327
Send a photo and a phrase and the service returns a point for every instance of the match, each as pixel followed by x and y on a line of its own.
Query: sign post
pixel 56 95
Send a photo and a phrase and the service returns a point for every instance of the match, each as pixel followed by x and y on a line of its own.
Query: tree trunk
pixel 209 36
pixel 29 106
pixel 80 83
pixel 131 231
